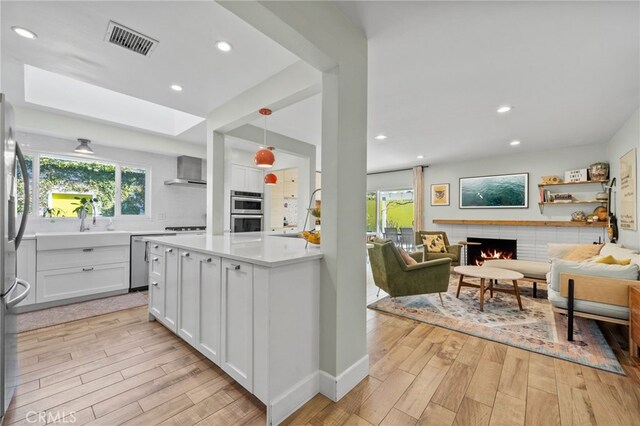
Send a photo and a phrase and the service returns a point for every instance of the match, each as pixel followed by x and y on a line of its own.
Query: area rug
pixel 537 328
pixel 60 314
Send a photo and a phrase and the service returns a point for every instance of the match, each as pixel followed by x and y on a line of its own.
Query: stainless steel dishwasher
pixel 139 261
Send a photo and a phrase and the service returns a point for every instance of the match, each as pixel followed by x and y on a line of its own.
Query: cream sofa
pixel 587 288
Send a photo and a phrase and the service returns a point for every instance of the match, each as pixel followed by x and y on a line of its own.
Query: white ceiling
pixel 437 70
pixel 70 42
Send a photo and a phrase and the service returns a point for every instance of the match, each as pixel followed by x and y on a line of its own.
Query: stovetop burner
pixel 185 228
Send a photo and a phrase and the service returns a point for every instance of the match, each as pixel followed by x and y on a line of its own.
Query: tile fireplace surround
pixel 532 240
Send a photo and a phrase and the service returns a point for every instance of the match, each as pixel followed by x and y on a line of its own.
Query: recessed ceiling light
pixel 380 137
pixel 420 157
pixel 223 46
pixel 23 32
pixel 176 87
pixel 514 143
pixel 504 108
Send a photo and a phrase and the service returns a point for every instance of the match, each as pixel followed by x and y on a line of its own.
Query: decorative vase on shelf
pixel 599 171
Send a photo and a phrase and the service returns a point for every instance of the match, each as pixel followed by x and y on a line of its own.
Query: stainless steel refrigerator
pixel 14 290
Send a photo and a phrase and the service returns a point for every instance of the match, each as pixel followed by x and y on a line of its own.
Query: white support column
pixel 318 33
pixel 215 182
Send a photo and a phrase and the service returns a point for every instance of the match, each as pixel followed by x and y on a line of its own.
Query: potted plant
pixel 52 212
pixel 84 204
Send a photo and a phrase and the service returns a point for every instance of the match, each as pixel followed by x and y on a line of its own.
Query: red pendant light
pixel 270 179
pixel 265 158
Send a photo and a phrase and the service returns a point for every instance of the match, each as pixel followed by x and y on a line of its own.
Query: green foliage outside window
pixel 62 180
pixel 20 185
pixel 132 191
pixel 69 176
pixel 372 199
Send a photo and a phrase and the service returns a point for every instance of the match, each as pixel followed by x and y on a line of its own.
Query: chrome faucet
pixel 94 212
pixel 83 216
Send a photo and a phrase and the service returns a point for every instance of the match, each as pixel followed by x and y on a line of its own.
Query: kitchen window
pixel 120 189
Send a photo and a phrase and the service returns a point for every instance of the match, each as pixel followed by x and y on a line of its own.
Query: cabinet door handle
pixel 169 250
pixel 155 259
pixel 207 260
pixel 186 254
pixel 155 246
pixel 155 284
pixel 87 249
pixel 87 269
pixel 235 267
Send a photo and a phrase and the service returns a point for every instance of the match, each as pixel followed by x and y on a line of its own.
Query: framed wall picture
pixel 495 192
pixel 628 188
pixel 440 194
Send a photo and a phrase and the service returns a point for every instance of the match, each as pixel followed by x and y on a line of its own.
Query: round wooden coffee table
pixel 491 274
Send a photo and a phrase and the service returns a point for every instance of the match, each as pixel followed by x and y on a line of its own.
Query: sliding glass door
pixel 389 209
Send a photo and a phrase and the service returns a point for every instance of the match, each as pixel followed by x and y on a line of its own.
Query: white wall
pixel 170 205
pixel 537 164
pixel 626 138
pixel 402 179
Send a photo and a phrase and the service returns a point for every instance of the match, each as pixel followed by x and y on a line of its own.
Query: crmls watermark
pixel 45 417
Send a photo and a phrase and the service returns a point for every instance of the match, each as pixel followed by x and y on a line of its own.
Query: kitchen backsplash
pixel 291 211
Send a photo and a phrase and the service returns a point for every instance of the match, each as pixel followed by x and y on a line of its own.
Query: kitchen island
pixel 249 302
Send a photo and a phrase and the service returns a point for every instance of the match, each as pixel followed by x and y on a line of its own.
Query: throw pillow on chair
pixel 408 260
pixel 434 243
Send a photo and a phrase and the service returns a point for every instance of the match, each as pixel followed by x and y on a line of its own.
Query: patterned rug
pixel 537 328
pixel 60 314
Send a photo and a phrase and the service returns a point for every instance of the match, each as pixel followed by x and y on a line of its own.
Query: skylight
pixel 53 90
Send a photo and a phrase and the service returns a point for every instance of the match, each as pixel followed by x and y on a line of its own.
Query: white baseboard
pixel 294 398
pixel 335 388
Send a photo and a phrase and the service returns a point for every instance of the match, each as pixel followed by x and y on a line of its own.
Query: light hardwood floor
pixel 121 369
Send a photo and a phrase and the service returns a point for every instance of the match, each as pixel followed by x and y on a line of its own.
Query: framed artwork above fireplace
pixel 495 192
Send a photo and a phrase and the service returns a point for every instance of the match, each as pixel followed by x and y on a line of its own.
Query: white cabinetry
pixel 245 178
pixel 208 303
pixel 26 263
pixel 79 267
pixel 237 321
pixel 188 296
pixel 259 324
pixel 170 278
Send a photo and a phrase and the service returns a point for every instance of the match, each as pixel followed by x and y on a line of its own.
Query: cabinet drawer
pixel 155 249
pixel 71 258
pixel 156 266
pixel 67 283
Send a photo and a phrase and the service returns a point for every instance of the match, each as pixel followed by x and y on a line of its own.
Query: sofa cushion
pixel 610 260
pixel 596 308
pixel 434 243
pixel 559 266
pixel 558 250
pixel 617 251
pixel 528 268
pixel 583 252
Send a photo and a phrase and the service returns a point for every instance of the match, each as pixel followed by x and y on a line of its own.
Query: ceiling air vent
pixel 129 39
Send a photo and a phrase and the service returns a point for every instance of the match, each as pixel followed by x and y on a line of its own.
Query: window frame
pixel 117 213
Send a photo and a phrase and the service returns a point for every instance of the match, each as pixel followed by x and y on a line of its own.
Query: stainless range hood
pixel 189 173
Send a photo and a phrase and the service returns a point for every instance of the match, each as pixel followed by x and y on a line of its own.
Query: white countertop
pixel 258 248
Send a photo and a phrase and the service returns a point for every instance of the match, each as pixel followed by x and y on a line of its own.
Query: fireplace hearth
pixel 490 248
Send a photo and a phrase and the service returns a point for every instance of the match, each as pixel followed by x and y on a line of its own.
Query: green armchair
pixel 391 274
pixel 453 250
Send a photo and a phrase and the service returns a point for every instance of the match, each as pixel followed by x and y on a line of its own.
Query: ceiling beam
pixel 293 84
pixel 66 127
